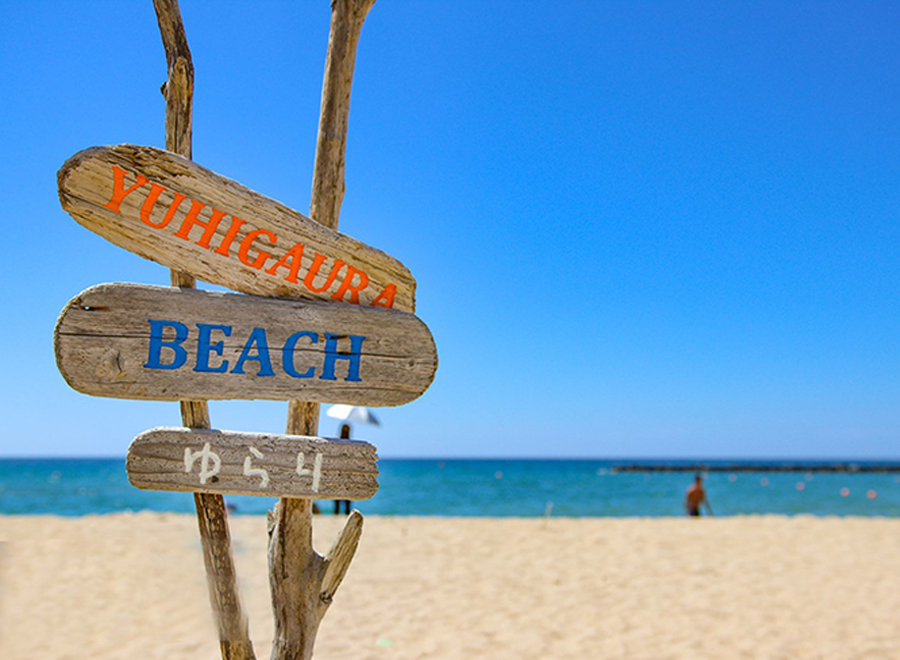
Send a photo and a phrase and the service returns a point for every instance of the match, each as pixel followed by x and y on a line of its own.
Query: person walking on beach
pixel 696 496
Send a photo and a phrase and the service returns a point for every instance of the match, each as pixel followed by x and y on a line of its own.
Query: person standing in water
pixel 343 504
pixel 695 497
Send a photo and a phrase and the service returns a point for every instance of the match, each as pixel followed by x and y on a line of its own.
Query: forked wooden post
pixel 303 582
pixel 108 341
pixel 234 637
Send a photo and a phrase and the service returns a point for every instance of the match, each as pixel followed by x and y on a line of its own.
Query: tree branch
pixel 303 583
pixel 212 518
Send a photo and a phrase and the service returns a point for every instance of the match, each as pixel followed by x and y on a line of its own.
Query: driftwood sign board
pixel 167 208
pixel 213 461
pixel 326 318
pixel 134 341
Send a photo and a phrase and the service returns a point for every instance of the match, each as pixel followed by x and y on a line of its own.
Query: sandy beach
pixel 132 585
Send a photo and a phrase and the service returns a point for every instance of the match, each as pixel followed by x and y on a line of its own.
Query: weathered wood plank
pixel 135 341
pixel 214 461
pixel 167 208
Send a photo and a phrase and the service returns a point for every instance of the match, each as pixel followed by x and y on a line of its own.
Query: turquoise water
pixel 76 487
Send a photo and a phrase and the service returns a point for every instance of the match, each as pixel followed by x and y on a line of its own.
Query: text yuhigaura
pixel 247 243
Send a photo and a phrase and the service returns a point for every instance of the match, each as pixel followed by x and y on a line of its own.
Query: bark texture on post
pixel 303 582
pixel 347 18
pixel 234 636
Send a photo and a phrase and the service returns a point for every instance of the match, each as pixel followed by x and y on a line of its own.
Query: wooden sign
pixel 167 208
pixel 212 461
pixel 134 341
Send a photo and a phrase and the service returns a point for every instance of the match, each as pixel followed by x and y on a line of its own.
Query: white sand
pixel 133 586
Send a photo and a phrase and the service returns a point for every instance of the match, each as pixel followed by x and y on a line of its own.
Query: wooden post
pixel 234 636
pixel 303 582
pixel 347 18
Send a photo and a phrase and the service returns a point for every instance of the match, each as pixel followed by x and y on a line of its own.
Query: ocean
pixel 485 487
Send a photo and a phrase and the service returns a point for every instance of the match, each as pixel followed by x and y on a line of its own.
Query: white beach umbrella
pixel 347 413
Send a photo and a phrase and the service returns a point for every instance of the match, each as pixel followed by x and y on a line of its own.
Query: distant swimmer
pixel 696 497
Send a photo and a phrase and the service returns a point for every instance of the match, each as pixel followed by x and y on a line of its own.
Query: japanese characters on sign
pixel 214 461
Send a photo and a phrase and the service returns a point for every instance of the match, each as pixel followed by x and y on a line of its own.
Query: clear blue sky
pixel 661 229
